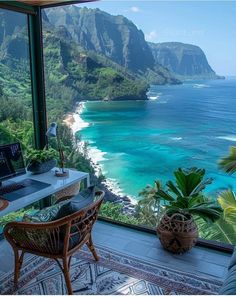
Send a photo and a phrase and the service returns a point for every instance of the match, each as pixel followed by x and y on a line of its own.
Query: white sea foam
pixel 114 187
pixel 153 97
pixel 96 155
pixel 78 123
pixel 176 138
pixel 231 138
pixel 200 86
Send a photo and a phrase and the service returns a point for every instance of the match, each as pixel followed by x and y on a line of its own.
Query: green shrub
pixel 114 211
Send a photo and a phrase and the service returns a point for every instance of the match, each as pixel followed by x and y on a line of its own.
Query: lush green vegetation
pixel 114 211
pixel 228 163
pixel 40 155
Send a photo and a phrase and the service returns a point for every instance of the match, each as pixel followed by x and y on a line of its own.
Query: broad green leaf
pixel 173 188
pixel 227 199
pixel 163 194
pixel 230 214
pixel 219 231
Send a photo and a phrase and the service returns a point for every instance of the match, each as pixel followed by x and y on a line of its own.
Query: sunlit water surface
pixel 180 126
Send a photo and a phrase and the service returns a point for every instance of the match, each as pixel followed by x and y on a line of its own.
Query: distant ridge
pixel 187 61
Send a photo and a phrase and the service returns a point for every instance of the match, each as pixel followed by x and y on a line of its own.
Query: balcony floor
pixel 144 246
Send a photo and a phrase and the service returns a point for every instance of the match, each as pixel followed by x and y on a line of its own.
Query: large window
pixel 133 109
pixel 132 106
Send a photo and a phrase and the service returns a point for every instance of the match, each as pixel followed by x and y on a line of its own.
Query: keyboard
pixel 10 188
pixel 21 189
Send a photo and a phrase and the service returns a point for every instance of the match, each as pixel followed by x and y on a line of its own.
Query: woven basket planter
pixel 177 234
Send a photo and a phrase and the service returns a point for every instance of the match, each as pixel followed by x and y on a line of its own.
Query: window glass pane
pixel 15 83
pixel 16 120
pixel 133 108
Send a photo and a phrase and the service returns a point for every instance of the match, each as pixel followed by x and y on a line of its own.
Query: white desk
pixel 57 184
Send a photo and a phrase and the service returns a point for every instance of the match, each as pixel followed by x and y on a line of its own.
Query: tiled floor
pixel 146 247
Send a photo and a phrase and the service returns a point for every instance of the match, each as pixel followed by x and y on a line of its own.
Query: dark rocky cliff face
pixel 13 35
pixel 114 36
pixel 71 72
pixel 185 60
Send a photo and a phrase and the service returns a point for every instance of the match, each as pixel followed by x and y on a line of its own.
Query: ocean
pixel 189 125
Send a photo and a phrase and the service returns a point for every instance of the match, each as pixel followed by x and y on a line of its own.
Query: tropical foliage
pixel 149 209
pixel 227 200
pixel 224 229
pixel 221 231
pixel 114 211
pixel 185 195
pixel 39 156
pixel 228 163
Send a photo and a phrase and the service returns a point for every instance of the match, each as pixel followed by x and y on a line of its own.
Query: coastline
pixel 113 192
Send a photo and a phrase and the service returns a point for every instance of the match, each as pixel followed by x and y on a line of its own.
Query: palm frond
pixel 210 212
pixel 227 201
pixel 201 186
pixel 220 231
pixel 228 163
pixel 188 180
pixel 164 195
pixel 174 189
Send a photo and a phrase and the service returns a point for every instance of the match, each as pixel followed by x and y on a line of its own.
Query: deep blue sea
pixel 187 125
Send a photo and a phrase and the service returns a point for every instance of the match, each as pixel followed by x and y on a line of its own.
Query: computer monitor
pixel 11 161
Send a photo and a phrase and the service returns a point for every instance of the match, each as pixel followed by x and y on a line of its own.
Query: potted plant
pixel 41 161
pixel 184 203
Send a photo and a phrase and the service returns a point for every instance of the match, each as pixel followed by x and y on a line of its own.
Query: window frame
pixel 34 24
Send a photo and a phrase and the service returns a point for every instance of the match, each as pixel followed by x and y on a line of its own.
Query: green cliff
pixel 115 37
pixel 185 60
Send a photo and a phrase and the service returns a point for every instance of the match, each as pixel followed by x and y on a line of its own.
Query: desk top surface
pixel 56 184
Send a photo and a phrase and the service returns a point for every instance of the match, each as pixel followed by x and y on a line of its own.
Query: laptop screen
pixel 11 161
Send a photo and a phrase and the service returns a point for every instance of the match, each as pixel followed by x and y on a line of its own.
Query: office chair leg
pixel 92 249
pixel 66 273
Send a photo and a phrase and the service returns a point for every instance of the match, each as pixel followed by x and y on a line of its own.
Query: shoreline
pixel 111 187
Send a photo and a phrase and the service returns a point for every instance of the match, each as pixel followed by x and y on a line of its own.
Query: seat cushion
pixel 78 202
pixel 64 208
pixel 44 215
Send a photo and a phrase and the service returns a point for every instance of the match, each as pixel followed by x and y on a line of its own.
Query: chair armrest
pixel 99 194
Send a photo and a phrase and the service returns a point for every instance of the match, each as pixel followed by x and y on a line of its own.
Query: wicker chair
pixel 56 240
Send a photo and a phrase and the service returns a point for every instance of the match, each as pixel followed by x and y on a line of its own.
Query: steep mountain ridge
pixel 72 73
pixel 115 37
pixel 187 61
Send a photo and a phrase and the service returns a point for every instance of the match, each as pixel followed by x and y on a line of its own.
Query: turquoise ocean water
pixel 180 126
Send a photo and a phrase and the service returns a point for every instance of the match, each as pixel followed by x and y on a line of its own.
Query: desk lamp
pixel 52 132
